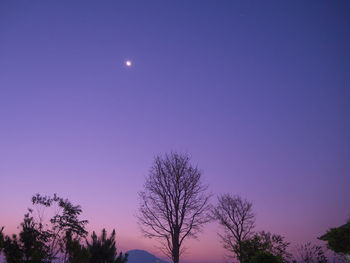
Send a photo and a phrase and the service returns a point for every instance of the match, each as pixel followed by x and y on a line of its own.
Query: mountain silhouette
pixel 142 256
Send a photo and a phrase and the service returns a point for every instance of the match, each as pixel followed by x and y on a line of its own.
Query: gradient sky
pixel 258 92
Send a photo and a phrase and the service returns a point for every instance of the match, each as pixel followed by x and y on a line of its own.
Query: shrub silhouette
pixel 265 257
pixel 103 249
pixel 61 238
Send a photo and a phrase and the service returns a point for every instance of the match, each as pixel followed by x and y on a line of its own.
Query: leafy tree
pixel 265 257
pixel 103 249
pixel 338 239
pixel 65 219
pixel 41 240
pixel 30 247
pixel 33 241
pixel 12 250
pixel 308 253
pixel 58 239
pixel 174 204
pixel 1 239
pixel 265 244
pixel 75 251
pixel 237 219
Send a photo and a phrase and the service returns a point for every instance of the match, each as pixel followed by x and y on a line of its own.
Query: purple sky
pixel 258 92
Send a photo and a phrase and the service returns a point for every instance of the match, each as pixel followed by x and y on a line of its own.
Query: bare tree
pixel 236 217
pixel 174 204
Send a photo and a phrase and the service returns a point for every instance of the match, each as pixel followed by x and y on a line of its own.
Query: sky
pixel 256 91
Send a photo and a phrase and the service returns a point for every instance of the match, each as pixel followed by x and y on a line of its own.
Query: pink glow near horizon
pixel 258 93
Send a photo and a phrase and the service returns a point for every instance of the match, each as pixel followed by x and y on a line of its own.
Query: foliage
pixel 30 247
pixel 308 253
pixel 338 239
pixel 64 220
pixel 1 239
pixel 103 249
pixel 236 217
pixel 12 250
pixel 33 241
pixel 75 251
pixel 42 241
pixel 174 204
pixel 264 244
pixel 265 257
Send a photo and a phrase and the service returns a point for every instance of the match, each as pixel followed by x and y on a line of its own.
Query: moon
pixel 128 63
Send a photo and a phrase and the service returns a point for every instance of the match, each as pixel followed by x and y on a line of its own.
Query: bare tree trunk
pixel 176 247
pixel 174 205
pixel 176 254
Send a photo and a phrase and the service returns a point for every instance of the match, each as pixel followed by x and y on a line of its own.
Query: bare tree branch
pixel 174 204
pixel 237 219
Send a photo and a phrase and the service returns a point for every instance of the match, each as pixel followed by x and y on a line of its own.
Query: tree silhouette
pixel 263 244
pixel 12 250
pixel 43 240
pixel 265 257
pixel 65 219
pixel 31 245
pixel 1 239
pixel 34 241
pixel 75 251
pixel 308 253
pixel 236 217
pixel 59 239
pixel 103 249
pixel 338 239
pixel 174 203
